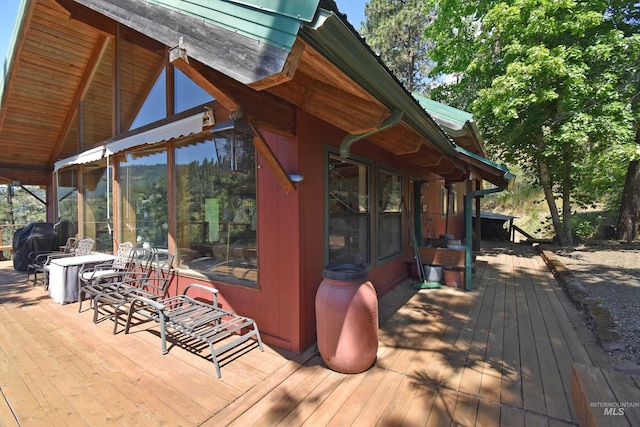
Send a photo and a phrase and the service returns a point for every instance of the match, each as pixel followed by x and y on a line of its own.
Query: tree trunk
pixel 630 206
pixel 545 180
pixel 567 187
pixel 629 213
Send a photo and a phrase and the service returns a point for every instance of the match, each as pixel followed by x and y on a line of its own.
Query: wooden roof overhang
pixel 49 66
pixel 328 72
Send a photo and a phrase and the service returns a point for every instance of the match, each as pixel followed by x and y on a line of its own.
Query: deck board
pixel 493 365
pixel 532 389
pixel 498 355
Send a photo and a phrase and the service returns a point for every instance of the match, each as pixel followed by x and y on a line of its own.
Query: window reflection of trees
pixel 216 213
pixel 349 212
pixel 143 187
pixel 96 198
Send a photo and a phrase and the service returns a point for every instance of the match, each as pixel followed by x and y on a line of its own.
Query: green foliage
pixel 19 208
pixel 550 82
pixel 394 29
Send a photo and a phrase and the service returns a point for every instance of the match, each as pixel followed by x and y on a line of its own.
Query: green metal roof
pixel 445 115
pixel 455 122
pixel 340 43
pixel 273 22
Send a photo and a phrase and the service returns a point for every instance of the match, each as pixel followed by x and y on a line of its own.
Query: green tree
pixel 552 84
pixel 19 206
pixel 395 31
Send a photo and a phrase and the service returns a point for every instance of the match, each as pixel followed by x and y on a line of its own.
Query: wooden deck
pixel 500 355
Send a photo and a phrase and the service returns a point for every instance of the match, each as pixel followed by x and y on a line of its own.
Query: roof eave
pixel 329 36
pixel 490 171
pixel 7 64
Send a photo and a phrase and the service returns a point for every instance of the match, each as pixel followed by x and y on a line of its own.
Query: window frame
pixel 379 214
pixel 357 160
pixel 187 270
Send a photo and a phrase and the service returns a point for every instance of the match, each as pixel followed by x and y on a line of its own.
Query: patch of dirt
pixel 607 281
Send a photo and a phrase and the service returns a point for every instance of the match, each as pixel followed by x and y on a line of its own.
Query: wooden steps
pixel 604 397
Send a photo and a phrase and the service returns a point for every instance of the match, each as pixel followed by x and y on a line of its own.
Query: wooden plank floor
pixel 499 355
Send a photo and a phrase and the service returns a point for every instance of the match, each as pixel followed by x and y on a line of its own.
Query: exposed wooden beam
pixel 264 109
pixel 269 156
pixel 85 16
pixel 178 57
pixel 128 121
pixel 319 94
pixel 90 70
pixel 27 176
pixel 288 71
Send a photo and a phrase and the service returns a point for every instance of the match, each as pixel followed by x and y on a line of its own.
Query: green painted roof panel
pixel 273 22
pixel 453 116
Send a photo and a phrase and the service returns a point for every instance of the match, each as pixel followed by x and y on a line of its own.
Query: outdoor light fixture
pixel 233 140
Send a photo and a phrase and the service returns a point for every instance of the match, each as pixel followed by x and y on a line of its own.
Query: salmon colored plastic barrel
pixel 347 319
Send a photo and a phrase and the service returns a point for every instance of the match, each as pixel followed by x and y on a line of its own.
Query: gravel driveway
pixel 610 272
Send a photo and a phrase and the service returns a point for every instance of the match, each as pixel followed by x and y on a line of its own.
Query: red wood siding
pixel 291 234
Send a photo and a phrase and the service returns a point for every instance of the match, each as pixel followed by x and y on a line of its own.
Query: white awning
pixel 92 155
pixel 177 129
pixel 167 132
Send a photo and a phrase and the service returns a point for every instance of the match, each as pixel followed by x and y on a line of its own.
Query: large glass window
pixel 389 214
pixel 142 77
pixel 67 204
pixel 153 108
pixel 349 212
pixel 97 199
pixel 216 209
pixel 187 93
pixel 143 196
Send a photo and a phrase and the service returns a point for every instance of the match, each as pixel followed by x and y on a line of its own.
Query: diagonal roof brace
pixel 392 120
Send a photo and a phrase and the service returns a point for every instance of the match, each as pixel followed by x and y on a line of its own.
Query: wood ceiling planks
pixel 46 71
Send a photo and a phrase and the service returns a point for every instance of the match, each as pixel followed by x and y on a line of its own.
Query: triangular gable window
pixel 187 93
pixel 154 106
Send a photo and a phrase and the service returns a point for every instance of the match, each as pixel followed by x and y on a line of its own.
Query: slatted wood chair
pixel 152 286
pixel 220 329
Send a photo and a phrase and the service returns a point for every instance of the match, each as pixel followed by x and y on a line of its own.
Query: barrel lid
pixel 346 272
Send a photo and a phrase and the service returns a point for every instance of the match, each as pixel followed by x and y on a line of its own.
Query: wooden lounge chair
pixel 197 320
pixel 151 285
